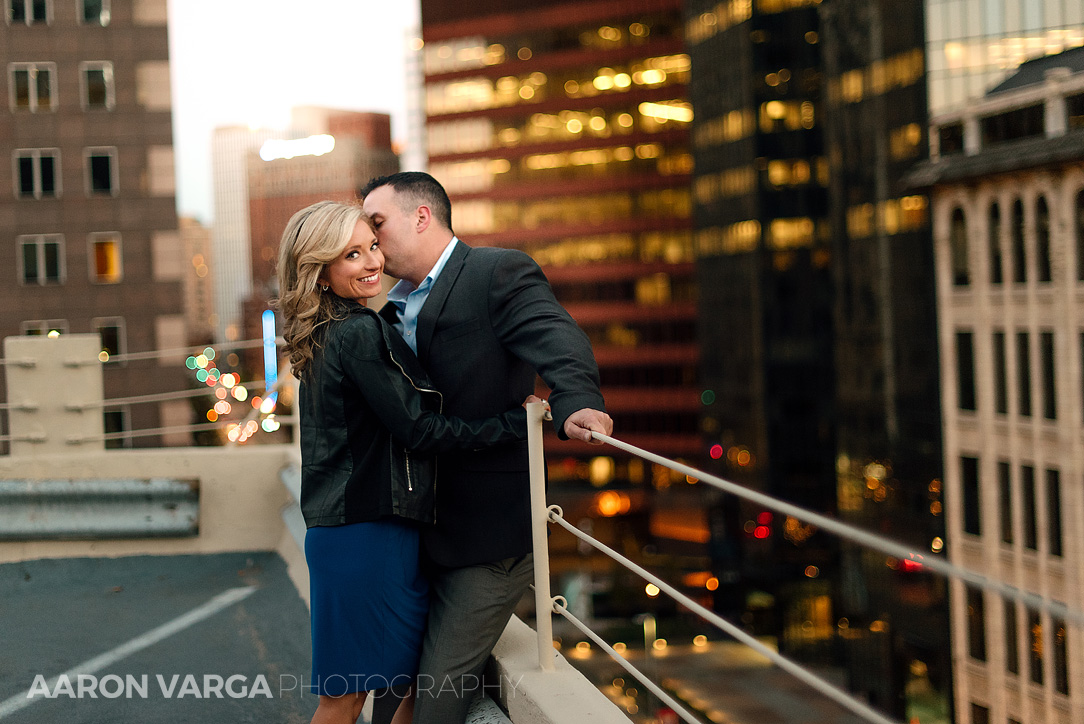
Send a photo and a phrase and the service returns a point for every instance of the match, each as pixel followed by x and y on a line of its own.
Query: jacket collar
pixel 427 318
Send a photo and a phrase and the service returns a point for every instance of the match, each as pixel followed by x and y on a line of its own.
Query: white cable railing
pixel 546 605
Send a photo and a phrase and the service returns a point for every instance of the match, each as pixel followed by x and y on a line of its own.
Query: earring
pixel 324 287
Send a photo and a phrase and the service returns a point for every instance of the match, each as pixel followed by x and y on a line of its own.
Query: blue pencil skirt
pixel 368 605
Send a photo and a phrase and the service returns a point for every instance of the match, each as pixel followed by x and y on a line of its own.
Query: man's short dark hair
pixel 420 189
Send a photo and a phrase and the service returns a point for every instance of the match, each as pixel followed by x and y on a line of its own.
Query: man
pixel 481 321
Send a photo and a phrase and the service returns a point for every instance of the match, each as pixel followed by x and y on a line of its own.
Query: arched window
pixel 1080 235
pixel 958 244
pixel 994 237
pixel 1019 252
pixel 1042 239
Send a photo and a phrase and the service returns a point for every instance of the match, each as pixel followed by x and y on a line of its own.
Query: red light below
pixel 716 452
pixel 762 531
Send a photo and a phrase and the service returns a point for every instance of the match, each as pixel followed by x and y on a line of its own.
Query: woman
pixel 365 409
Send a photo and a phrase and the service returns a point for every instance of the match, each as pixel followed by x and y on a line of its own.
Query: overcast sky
pixel 250 61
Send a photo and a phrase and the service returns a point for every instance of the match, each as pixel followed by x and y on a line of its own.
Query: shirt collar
pixel 403 289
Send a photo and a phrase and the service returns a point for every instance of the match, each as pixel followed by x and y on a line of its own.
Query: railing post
pixel 543 603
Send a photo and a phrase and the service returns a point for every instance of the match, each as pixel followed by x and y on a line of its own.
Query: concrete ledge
pixel 533 696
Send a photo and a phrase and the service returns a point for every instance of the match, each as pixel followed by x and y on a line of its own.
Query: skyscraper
pixel 88 207
pixel 562 128
pixel 230 239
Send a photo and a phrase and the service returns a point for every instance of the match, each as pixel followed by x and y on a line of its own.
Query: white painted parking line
pixel 216 604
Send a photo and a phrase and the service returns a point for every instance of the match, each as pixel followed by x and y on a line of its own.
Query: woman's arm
pixel 392 396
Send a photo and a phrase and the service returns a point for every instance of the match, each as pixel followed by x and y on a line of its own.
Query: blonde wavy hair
pixel 314 237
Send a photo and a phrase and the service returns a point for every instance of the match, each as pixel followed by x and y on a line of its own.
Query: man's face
pixel 395 229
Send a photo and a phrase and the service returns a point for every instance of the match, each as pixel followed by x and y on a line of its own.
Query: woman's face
pixel 356 273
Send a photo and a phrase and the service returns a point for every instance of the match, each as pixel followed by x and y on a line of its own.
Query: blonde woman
pixel 369 420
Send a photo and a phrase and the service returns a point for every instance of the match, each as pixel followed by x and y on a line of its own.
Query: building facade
pixel 972 45
pixel 87 208
pixel 199 292
pixel 562 129
pixel 230 237
pixel 1008 219
pixel 346 150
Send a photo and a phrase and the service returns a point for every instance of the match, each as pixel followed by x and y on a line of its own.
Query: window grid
pixel 1001 376
pixel 1004 482
pixel 42 327
pixel 965 370
pixel 1042 240
pixel 1027 500
pixel 1012 641
pixel 31 87
pixel 96 85
pixel 1053 512
pixel 94 12
pixel 1023 373
pixel 30 12
pixel 1019 250
pixel 36 173
pixel 101 171
pixel 1047 367
pixel 994 239
pixel 114 335
pixel 41 259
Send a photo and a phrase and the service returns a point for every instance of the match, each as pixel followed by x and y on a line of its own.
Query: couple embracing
pixel 415 571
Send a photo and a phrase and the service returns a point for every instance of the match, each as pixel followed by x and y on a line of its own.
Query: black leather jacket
pixel 370 425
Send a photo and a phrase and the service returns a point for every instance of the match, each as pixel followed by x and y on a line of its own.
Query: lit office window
pixel 41 259
pixel 1035 650
pixel 37 173
pixel 1061 656
pixel 106 261
pixel 32 86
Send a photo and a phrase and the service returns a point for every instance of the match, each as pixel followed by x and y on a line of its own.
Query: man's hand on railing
pixel 535 398
pixel 582 423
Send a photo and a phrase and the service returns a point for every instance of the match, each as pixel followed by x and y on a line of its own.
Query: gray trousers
pixel 468 610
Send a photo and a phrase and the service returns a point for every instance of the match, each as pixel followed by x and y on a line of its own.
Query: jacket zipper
pixel 440 409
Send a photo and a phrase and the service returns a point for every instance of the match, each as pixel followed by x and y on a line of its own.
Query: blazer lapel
pixel 389 313
pixel 434 303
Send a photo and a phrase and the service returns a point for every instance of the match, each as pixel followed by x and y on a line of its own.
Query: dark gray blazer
pixel 490 322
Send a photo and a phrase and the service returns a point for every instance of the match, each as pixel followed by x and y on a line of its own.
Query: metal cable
pixel 889 547
pixel 561 607
pixel 830 690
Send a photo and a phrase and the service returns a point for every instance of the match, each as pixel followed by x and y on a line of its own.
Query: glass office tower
pixel 563 129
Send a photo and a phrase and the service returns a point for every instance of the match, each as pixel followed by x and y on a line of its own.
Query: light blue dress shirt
pixel 409 300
